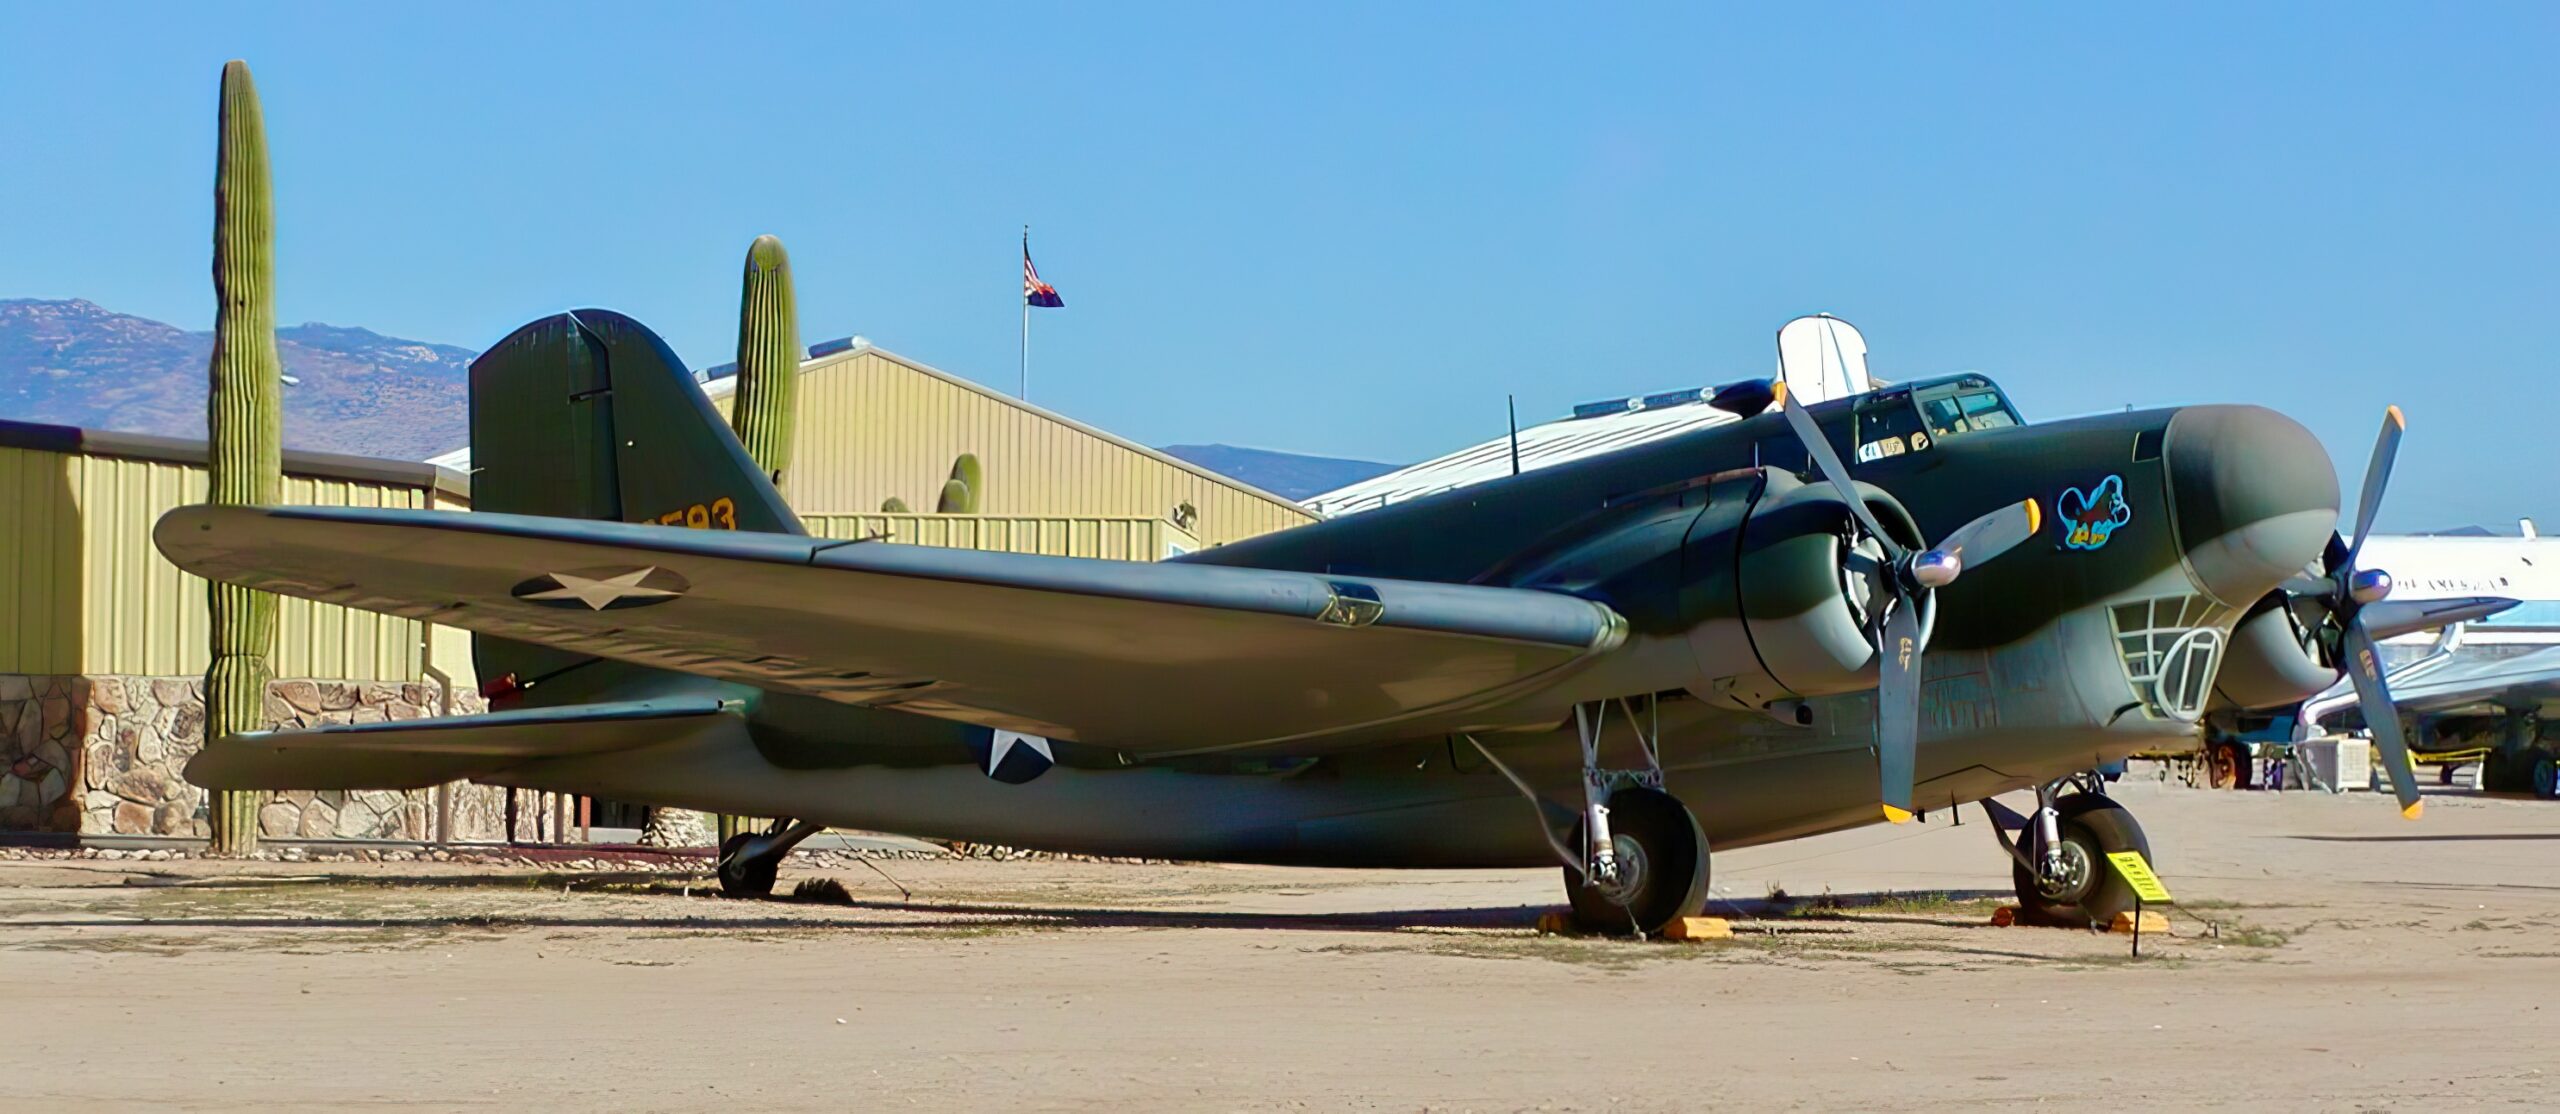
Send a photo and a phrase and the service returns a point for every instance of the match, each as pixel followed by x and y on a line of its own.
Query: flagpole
pixel 1022 384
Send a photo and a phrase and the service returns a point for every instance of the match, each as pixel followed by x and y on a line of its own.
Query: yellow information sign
pixel 2137 873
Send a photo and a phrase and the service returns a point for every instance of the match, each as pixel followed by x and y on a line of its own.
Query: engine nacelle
pixel 1742 587
pixel 2272 660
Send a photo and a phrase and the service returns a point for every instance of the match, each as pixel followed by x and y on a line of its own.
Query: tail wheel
pixel 2087 890
pixel 1662 864
pixel 744 876
pixel 2226 766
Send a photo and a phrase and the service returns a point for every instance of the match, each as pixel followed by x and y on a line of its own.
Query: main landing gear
pixel 749 861
pixel 1638 859
pixel 2059 858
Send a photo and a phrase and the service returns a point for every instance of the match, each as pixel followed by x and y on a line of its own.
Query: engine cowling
pixel 1745 586
pixel 2272 660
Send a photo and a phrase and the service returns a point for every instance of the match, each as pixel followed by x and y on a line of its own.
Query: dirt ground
pixel 2362 962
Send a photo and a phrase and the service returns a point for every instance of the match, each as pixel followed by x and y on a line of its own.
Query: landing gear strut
pixel 2059 861
pixel 750 861
pixel 1637 859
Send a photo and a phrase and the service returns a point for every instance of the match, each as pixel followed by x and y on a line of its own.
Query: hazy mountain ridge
pixel 74 362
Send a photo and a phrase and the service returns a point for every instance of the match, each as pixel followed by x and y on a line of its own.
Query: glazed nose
pixel 2253 495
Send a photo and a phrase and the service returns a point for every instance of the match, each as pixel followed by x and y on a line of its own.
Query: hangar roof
pixel 180 450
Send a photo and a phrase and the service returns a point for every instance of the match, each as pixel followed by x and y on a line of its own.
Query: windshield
pixel 1967 404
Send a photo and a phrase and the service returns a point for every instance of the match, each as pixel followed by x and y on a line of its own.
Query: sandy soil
pixel 2363 962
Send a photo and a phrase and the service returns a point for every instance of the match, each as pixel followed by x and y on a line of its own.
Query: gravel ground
pixel 2328 956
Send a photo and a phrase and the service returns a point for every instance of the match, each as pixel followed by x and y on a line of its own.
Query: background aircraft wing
pixel 2487 682
pixel 1149 658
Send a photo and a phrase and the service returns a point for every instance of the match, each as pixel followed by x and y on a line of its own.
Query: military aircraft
pixel 1725 637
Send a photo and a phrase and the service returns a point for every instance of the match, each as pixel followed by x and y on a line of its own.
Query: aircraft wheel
pixel 2089 890
pixel 2226 766
pixel 2444 773
pixel 742 876
pixel 1662 861
pixel 2546 775
pixel 2507 772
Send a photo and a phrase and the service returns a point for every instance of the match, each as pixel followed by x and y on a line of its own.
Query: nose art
pixel 2254 496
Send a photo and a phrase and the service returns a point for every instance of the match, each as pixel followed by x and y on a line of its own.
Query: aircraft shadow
pixel 2467 837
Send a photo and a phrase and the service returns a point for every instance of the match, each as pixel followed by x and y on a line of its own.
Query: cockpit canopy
pixel 1910 418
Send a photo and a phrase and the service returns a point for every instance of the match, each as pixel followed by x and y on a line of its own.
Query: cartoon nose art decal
pixel 2091 517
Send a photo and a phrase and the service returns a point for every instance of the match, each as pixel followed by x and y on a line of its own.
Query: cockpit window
pixel 1965 405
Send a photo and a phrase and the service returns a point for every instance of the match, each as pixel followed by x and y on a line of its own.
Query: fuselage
pixel 2097 638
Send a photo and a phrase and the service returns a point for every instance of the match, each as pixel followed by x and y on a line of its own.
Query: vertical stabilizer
pixel 589 415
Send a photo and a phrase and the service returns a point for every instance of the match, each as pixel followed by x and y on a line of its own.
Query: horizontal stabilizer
pixel 414 754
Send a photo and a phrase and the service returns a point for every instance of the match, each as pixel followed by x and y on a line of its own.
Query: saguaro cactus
pixel 244 425
pixel 967 486
pixel 768 379
pixel 768 358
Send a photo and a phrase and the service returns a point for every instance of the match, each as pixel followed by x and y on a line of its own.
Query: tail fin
pixel 590 415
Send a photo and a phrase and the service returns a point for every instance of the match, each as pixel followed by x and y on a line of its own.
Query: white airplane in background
pixel 2488 682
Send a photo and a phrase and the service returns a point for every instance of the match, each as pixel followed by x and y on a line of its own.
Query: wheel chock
pixel 1555 922
pixel 2153 923
pixel 1693 929
pixel 2004 916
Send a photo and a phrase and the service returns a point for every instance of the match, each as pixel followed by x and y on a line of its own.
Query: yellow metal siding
pixel 1114 538
pixel 39 563
pixel 83 590
pixel 872 427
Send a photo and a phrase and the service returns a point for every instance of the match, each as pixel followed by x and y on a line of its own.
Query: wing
pixel 1149 658
pixel 2488 683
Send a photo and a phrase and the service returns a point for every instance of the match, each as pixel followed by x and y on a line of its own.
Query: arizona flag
pixel 1034 291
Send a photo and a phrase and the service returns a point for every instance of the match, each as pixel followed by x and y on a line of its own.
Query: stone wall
pixel 98 755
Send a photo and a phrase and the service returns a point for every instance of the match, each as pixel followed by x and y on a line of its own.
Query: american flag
pixel 1034 291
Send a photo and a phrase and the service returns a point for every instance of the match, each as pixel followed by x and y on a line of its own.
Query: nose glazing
pixel 2254 498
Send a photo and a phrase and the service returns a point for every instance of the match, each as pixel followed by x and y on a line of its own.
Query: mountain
pixel 352 390
pixel 1289 474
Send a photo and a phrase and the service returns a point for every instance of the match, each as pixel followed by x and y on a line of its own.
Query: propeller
pixel 1910 575
pixel 2348 592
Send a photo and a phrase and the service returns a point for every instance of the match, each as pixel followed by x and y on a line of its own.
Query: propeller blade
pixel 1898 707
pixel 2364 667
pixel 1993 534
pixel 2377 475
pixel 2393 618
pixel 1828 463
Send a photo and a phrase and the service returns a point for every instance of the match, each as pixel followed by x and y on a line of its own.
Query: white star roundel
pixel 1010 756
pixel 602 589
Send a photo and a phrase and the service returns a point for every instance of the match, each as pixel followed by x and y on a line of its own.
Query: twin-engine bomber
pixel 1725 637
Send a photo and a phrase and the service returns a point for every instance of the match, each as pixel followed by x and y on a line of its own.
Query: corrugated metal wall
pixel 82 589
pixel 1114 538
pixel 873 426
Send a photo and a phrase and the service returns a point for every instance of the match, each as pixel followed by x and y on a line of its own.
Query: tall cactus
pixel 768 380
pixel 245 430
pixel 967 486
pixel 768 358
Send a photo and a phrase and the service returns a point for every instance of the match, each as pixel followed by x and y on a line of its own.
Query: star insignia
pixel 600 589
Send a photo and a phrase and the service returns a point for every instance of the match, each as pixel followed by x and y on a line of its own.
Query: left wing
pixel 1148 658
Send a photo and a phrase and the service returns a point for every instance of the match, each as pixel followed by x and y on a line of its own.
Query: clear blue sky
pixel 1351 230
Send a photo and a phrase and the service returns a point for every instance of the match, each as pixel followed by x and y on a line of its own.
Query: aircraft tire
pixel 1672 882
pixel 2093 827
pixel 741 876
pixel 2503 771
pixel 2546 775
